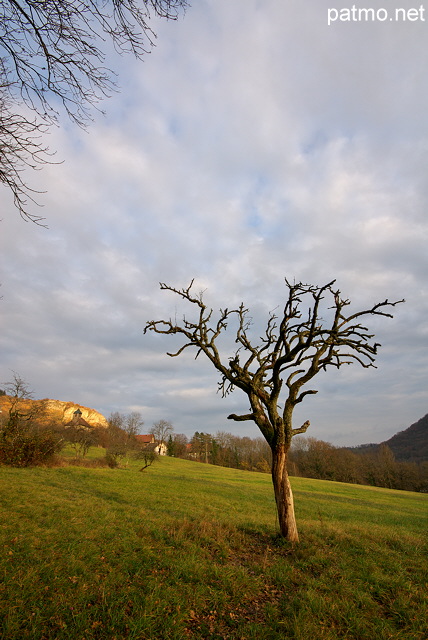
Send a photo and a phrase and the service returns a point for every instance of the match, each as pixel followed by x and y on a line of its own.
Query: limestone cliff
pixel 57 411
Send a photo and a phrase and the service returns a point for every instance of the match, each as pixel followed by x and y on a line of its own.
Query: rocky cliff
pixel 48 411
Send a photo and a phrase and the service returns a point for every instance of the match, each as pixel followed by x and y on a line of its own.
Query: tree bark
pixel 283 495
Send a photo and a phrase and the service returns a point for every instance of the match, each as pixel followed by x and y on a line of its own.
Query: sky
pixel 258 141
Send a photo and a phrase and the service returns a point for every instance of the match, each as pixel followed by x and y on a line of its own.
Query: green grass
pixel 186 550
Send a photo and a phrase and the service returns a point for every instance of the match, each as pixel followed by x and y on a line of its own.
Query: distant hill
pixel 58 410
pixel 410 445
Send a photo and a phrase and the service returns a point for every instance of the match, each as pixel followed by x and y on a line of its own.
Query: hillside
pixel 188 551
pixel 411 445
pixel 56 410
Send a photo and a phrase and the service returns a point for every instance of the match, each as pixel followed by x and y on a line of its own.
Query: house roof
pixel 80 422
pixel 147 438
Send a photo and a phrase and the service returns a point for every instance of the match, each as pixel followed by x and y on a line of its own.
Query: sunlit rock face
pixel 54 411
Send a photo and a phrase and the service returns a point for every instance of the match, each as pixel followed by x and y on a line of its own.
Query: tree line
pixel 308 458
pixel 312 458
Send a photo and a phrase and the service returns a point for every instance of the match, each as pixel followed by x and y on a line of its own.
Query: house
pixel 148 442
pixel 78 421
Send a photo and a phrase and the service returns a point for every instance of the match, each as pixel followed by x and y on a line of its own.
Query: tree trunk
pixel 283 495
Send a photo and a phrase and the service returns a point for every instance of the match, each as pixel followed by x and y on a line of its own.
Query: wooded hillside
pixel 411 445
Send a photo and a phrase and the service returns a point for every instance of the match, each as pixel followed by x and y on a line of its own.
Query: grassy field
pixel 186 550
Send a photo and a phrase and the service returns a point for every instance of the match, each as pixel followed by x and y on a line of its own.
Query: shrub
pixel 148 457
pixel 112 458
pixel 28 447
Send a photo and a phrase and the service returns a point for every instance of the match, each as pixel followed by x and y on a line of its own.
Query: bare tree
pixel 116 420
pixel 133 424
pixel 273 369
pixel 17 388
pixel 119 437
pixel 161 430
pixel 52 56
pixel 20 410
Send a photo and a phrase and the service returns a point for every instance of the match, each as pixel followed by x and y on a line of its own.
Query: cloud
pixel 254 143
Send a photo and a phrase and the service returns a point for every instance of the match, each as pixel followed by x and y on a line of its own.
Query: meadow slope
pixel 187 550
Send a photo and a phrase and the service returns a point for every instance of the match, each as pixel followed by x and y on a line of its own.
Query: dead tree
pixel 273 369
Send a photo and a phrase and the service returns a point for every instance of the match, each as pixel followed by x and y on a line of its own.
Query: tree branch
pixel 241 418
pixel 301 429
